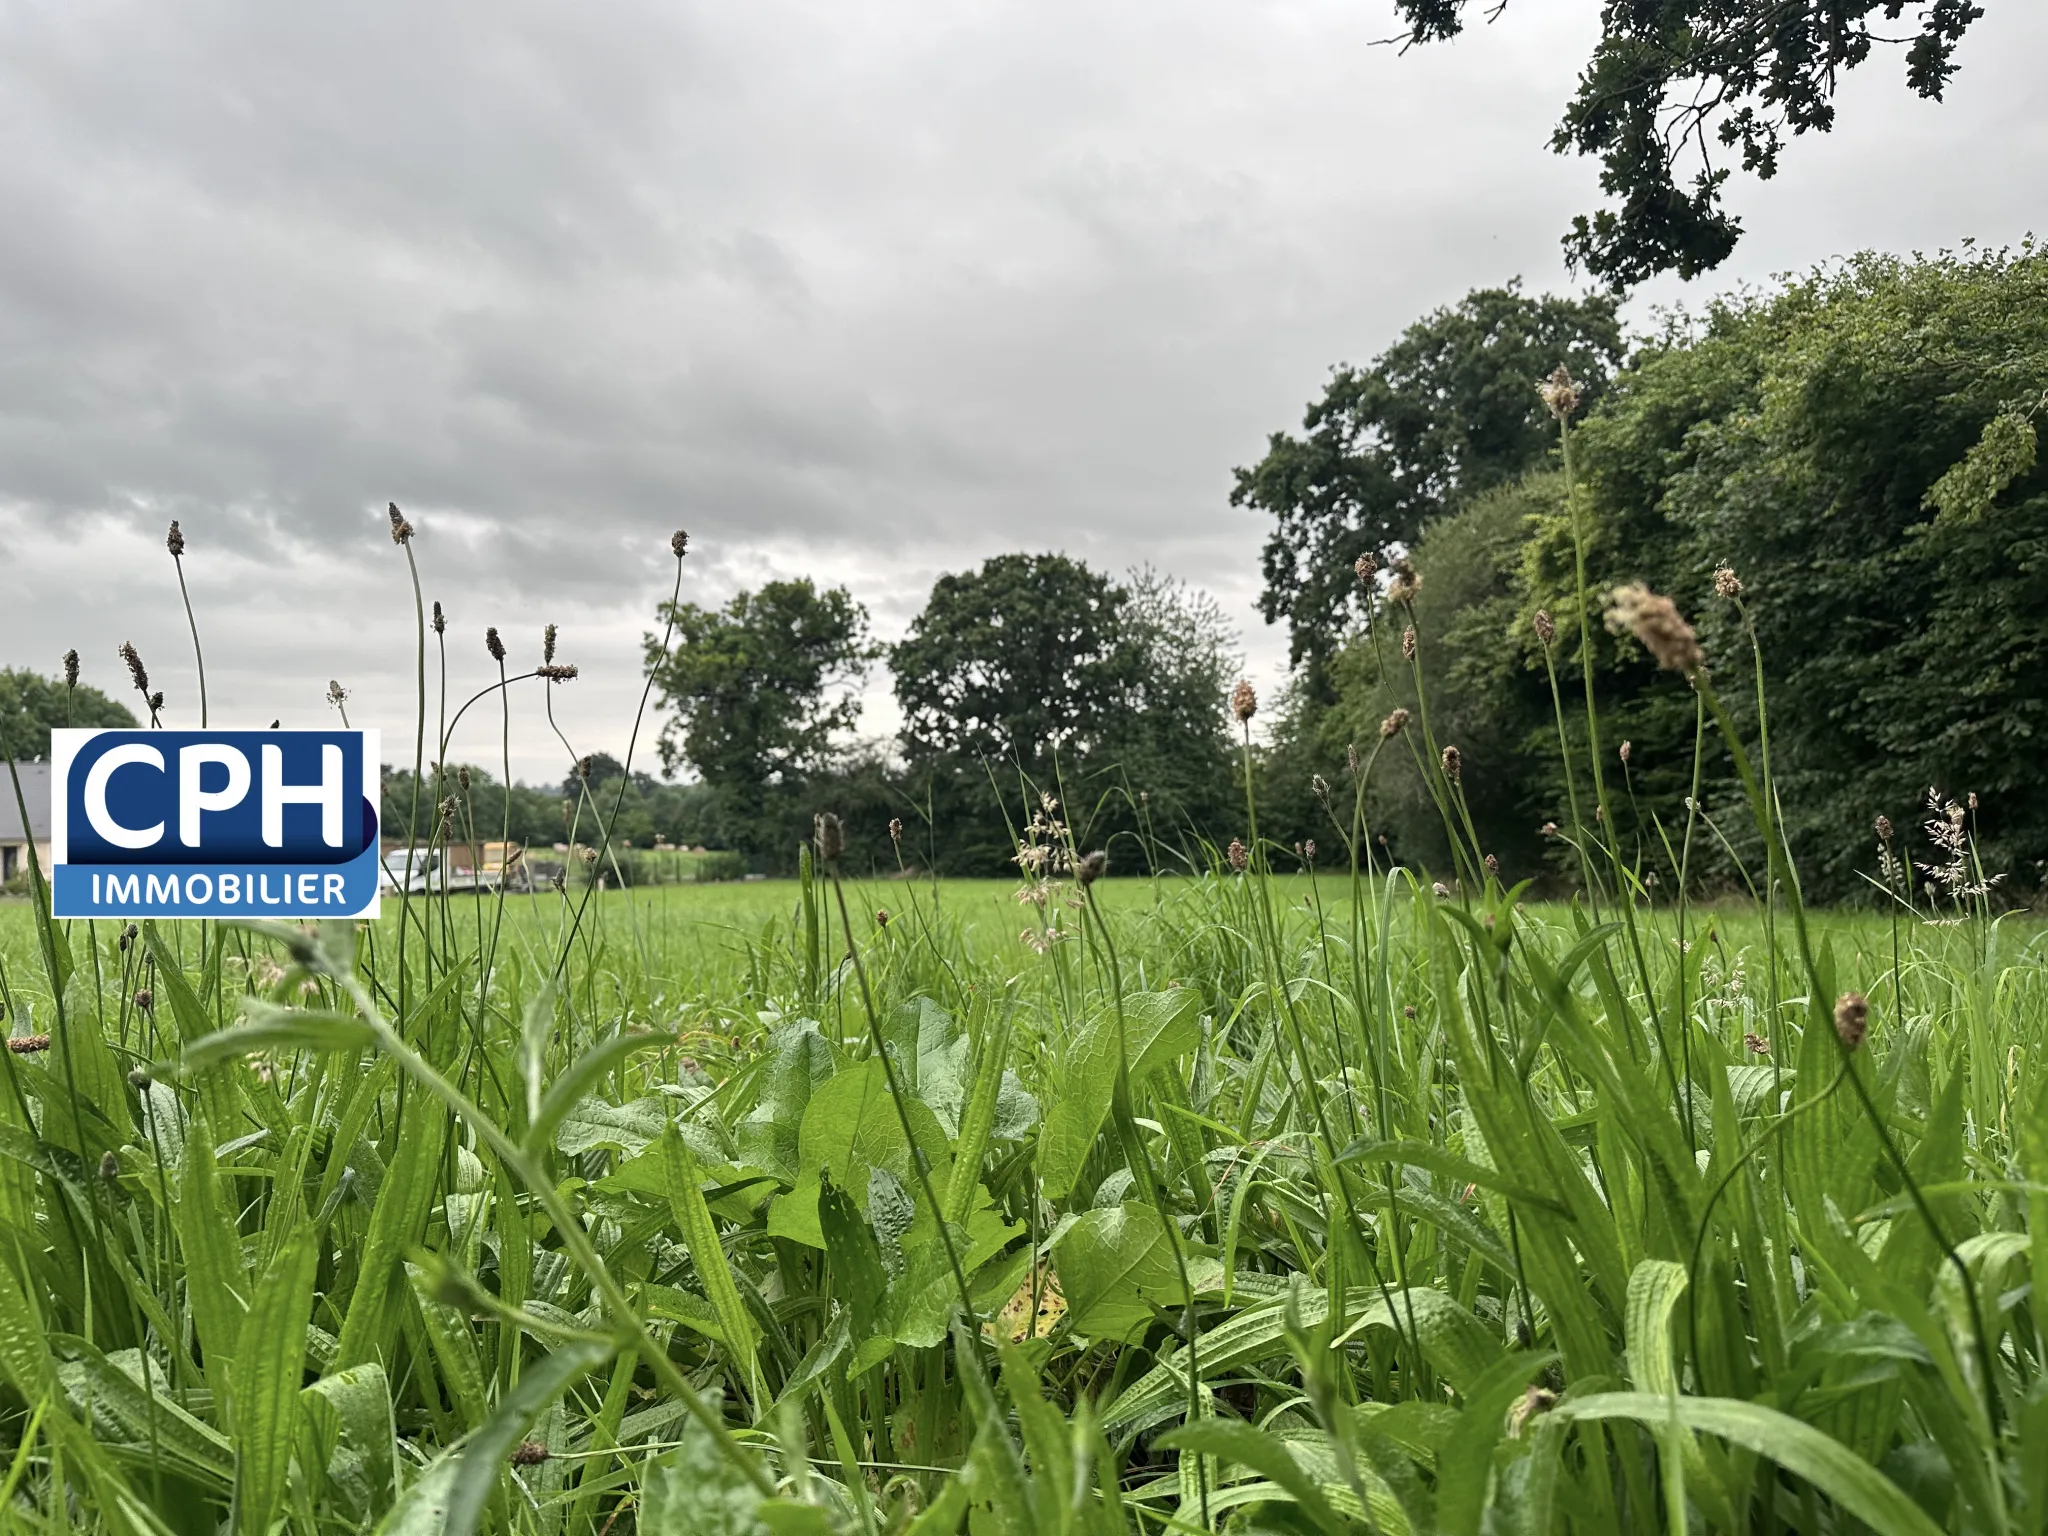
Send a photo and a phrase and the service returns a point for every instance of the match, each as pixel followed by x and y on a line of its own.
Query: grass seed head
pixel 174 541
pixel 1395 723
pixel 1545 626
pixel 440 619
pixel 1244 701
pixel 547 644
pixel 1366 568
pixel 896 829
pixel 1408 643
pixel 558 672
pixel 1406 582
pixel 830 835
pixel 401 530
pixel 1627 751
pixel 1884 828
pixel 1758 1045
pixel 1657 625
pixel 136 670
pixel 71 669
pixel 1726 583
pixel 1092 867
pixel 28 1045
pixel 493 644
pixel 1493 866
pixel 1454 764
pixel 529 1453
pixel 1239 856
pixel 1351 758
pixel 679 543
pixel 156 702
pixel 336 694
pixel 1560 393
pixel 1852 1019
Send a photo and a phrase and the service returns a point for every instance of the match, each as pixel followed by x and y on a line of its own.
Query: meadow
pixel 1262 1196
pixel 1269 1203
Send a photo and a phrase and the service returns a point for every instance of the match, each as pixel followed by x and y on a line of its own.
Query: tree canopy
pixel 762 689
pixel 1858 447
pixel 762 695
pixel 1447 412
pixel 1009 662
pixel 31 706
pixel 1686 89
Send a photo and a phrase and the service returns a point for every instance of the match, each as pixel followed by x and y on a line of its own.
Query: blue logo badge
pixel 213 823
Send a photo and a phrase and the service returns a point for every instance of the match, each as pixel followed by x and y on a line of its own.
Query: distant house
pixel 14 837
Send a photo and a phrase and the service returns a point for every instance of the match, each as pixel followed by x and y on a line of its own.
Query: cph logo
pixel 213 823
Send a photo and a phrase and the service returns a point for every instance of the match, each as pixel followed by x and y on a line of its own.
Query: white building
pixel 14 837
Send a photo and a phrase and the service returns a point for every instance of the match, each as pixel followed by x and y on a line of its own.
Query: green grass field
pixel 1240 1202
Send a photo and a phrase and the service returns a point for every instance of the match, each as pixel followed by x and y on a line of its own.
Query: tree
pixel 1449 411
pixel 1674 85
pixel 31 706
pixel 763 693
pixel 1012 661
pixel 1860 448
pixel 1169 741
pixel 1036 667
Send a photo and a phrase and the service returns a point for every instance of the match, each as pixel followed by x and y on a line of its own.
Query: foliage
pixel 1230 1202
pixel 1698 83
pixel 1799 439
pixel 31 706
pixel 761 694
pixel 1447 412
pixel 1014 662
pixel 1037 671
pixel 1856 446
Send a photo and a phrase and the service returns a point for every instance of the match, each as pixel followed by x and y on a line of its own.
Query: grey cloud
pixel 869 291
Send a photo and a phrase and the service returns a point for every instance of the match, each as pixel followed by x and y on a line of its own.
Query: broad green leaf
pixel 800 1062
pixel 568 1090
pixel 348 1439
pixel 398 1220
pixel 1114 1264
pixel 140 1420
pixel 693 1490
pixel 700 1237
pixel 1457 1345
pixel 1653 1290
pixel 270 1360
pixel 1265 1454
pixel 592 1122
pixel 266 1027
pixel 1793 1444
pixel 1157 1027
pixel 217 1280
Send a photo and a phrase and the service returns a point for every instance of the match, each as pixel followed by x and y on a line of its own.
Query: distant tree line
pixel 1857 448
pixel 1029 677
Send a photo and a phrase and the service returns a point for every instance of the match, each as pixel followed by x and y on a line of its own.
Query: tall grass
pixel 1239 1199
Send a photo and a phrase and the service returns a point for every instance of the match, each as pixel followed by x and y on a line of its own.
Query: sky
pixel 861 292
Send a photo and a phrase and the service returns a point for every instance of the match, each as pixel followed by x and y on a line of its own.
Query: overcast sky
pixel 867 292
